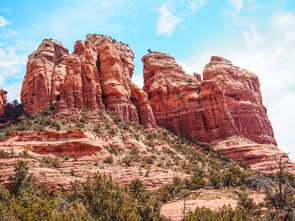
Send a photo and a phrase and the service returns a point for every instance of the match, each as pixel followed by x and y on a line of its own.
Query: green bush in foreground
pixel 224 214
pixel 99 199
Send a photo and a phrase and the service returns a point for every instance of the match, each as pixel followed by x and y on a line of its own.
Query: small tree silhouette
pixel 15 102
pixel 280 192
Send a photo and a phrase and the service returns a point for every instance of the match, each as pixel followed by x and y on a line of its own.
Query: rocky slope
pixel 68 149
pixel 96 75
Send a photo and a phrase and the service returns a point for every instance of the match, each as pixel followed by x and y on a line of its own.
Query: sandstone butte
pixel 96 75
pixel 224 109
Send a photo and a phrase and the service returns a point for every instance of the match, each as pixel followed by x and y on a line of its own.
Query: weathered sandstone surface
pixel 261 157
pixel 96 75
pixel 226 102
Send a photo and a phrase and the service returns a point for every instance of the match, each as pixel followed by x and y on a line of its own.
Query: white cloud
pixel 105 4
pixel 284 24
pixel 197 4
pixel 10 64
pixel 11 70
pixel 13 91
pixel 3 21
pixel 237 4
pixel 284 21
pixel 270 54
pixel 138 80
pixel 167 21
pixel 14 33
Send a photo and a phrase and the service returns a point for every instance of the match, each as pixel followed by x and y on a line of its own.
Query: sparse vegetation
pixel 149 150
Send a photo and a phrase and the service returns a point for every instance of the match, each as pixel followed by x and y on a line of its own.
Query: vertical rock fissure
pixel 98 66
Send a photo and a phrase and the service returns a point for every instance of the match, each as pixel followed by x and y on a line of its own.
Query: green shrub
pixel 195 183
pixel 22 178
pixel 246 202
pixel 106 201
pixel 148 159
pixel 80 125
pixel 113 131
pixel 97 129
pixel 109 160
pixel 50 162
pixel 84 118
pixel 4 154
pixel 127 161
pixel 223 214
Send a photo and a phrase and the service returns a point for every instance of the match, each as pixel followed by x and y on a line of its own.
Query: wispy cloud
pixel 10 63
pixel 138 80
pixel 13 91
pixel 196 4
pixel 285 24
pixel 237 4
pixel 3 21
pixel 105 4
pixel 14 33
pixel 167 21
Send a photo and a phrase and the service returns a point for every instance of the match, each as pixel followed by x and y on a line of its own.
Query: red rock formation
pixel 3 102
pixel 227 102
pixel 96 75
pixel 27 136
pixel 241 91
pixel 45 72
pixel 224 108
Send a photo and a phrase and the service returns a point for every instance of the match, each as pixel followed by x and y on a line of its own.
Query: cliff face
pixel 241 91
pixel 3 102
pixel 226 102
pixel 45 73
pixel 224 109
pixel 96 75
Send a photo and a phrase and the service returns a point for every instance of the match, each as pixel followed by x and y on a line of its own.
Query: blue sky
pixel 258 35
